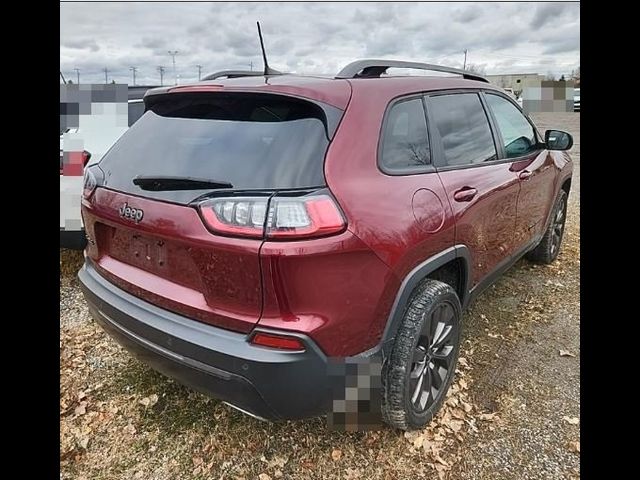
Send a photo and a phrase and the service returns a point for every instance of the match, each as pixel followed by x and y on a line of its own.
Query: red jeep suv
pixel 245 232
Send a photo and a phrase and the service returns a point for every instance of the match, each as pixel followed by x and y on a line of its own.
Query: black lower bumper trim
pixel 267 383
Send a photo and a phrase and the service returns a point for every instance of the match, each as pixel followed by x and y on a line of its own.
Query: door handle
pixel 524 175
pixel 465 194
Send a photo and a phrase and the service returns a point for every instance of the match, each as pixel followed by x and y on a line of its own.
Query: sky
pixel 312 37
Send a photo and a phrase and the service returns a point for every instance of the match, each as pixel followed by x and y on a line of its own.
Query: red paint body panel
pixel 486 224
pixel 331 288
pixel 194 272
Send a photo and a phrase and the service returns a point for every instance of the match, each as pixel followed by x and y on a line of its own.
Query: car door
pixel 531 162
pixel 481 188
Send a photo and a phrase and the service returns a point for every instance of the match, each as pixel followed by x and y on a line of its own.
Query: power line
pixel 161 70
pixel 173 54
pixel 134 70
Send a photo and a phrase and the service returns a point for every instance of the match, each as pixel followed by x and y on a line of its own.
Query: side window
pixel 517 133
pixel 463 127
pixel 136 109
pixel 405 142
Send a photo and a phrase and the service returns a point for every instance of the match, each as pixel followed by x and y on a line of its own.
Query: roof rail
pixel 374 68
pixel 233 74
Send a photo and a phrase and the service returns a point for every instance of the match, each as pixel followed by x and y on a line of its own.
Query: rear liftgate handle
pixel 524 175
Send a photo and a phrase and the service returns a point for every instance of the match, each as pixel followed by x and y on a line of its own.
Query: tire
pixel 421 340
pixel 547 250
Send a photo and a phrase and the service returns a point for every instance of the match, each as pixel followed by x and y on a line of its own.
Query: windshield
pixel 252 141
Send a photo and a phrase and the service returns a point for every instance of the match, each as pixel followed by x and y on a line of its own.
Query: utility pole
pixel 251 65
pixel 134 70
pixel 161 70
pixel 62 77
pixel 77 74
pixel 465 59
pixel 199 71
pixel 106 71
pixel 173 54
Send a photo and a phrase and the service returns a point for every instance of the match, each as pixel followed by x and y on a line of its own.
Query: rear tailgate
pixel 173 261
pixel 152 240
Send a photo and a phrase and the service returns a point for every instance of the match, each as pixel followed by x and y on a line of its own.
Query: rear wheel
pixel 424 357
pixel 549 247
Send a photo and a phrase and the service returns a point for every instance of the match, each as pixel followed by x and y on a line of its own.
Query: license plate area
pixel 143 251
pixel 148 253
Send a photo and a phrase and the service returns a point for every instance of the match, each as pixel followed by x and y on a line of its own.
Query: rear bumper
pixel 267 383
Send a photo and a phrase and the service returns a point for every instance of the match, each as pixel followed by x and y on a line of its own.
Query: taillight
pixel 238 216
pixel 281 342
pixel 277 218
pixel 85 157
pixel 93 177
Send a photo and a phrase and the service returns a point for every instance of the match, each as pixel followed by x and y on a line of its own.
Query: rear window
pixel 253 141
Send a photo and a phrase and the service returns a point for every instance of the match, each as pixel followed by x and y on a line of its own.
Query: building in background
pixel 515 81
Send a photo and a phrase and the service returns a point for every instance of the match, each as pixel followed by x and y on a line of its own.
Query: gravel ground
pixel 513 411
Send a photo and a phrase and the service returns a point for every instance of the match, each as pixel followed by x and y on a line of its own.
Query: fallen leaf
pixel 455 425
pixel 463 383
pixel 264 476
pixel 458 413
pixel 277 474
pixel 574 446
pixel 571 420
pixel 336 455
pixel 84 442
pixel 149 401
pixel 488 417
pixel 130 429
pixel 81 409
pixel 493 335
pixel 566 353
pixel 463 361
pixel 467 406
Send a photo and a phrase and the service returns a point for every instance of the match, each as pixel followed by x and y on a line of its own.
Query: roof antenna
pixel 267 69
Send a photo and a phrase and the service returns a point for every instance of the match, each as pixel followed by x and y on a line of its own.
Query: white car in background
pixel 85 145
pixel 576 99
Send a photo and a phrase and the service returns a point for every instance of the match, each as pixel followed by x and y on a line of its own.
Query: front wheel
pixel 549 247
pixel 423 358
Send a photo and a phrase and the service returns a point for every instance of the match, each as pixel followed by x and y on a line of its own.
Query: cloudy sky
pixel 312 37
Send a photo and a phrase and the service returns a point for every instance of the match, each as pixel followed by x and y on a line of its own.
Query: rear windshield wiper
pixel 160 183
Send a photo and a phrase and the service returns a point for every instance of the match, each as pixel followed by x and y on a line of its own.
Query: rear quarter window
pixel 405 142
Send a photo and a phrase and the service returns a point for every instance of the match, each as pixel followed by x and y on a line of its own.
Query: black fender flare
pixel 414 277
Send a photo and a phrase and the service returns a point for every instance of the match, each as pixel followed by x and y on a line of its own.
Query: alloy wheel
pixel 433 358
pixel 558 226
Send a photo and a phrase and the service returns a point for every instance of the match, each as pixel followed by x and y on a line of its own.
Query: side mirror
pixel 558 140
